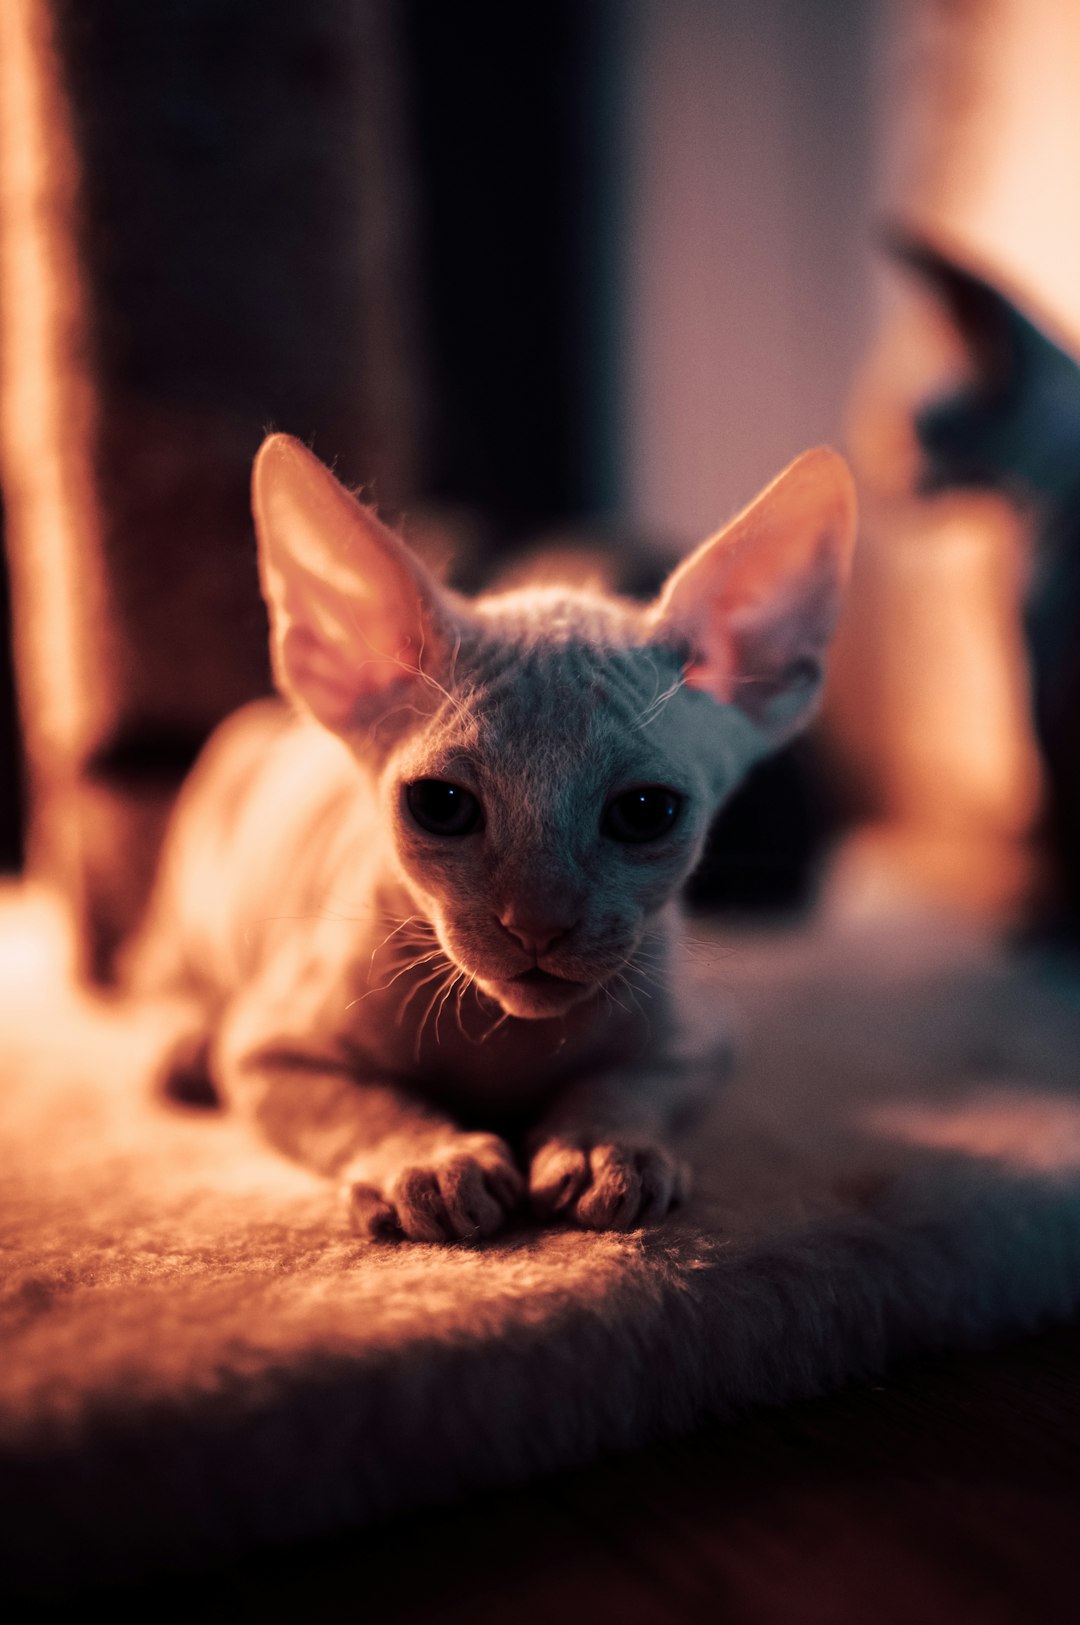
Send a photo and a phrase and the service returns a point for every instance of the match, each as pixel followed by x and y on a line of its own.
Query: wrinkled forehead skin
pixel 556 703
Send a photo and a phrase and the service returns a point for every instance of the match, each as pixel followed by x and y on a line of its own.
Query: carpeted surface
pixel 196 1358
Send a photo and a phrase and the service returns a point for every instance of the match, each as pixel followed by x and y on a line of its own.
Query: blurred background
pixel 586 272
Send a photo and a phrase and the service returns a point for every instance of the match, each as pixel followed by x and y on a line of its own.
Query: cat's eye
pixel 442 808
pixel 642 814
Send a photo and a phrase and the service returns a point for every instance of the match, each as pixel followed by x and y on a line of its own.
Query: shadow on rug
pixel 197 1359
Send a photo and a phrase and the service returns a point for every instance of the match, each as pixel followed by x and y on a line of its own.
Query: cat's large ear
pixel 353 615
pixel 754 608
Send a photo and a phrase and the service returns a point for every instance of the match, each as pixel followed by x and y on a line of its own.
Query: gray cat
pixel 433 902
pixel 1013 425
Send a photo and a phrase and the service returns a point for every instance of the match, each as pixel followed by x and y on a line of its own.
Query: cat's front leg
pixel 599 1159
pixel 405 1171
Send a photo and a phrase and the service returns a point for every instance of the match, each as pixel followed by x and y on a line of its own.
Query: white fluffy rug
pixel 197 1359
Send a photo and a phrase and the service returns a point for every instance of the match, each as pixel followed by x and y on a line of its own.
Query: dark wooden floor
pixel 949 1492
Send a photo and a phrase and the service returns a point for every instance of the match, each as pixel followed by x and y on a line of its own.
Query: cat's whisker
pixel 384 718
pixel 410 964
pixel 455 980
pixel 657 704
pixel 703 951
pixel 606 991
pixel 650 962
pixel 724 950
pixel 463 988
pixel 625 976
pixel 432 682
pixel 411 919
pixel 465 982
pixel 414 964
pixel 500 1020
pixel 408 953
pixel 313 914
pixel 425 981
pixel 635 994
pixel 405 944
pixel 416 671
pixel 448 976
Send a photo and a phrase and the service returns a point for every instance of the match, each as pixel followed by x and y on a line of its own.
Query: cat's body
pixel 305 903
pixel 1013 424
pixel 438 906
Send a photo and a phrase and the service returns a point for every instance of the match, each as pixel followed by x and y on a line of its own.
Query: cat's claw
pixel 458 1192
pixel 605 1185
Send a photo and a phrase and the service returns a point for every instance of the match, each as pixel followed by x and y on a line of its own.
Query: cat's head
pixel 1011 421
pixel 549 759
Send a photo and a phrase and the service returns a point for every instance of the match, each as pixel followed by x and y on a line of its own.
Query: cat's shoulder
pixel 263 756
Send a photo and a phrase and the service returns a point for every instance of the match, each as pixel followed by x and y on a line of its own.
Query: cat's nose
pixel 536 934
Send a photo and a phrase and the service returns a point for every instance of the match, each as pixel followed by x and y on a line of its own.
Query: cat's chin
pixel 536 995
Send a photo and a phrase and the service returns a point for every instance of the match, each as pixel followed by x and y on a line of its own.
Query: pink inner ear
pixel 335 681
pixel 710 679
pixel 714 670
pixel 324 678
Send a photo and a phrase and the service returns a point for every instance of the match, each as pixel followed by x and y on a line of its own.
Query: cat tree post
pixel 203 231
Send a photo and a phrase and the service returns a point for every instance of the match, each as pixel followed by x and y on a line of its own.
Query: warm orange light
pixel 988 154
pixel 47 411
pixel 1035 1132
pixel 37 953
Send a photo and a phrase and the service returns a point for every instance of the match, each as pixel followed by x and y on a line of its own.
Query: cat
pixel 1013 424
pixel 425 912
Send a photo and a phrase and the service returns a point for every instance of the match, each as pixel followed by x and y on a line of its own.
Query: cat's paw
pixel 606 1184
pixel 458 1191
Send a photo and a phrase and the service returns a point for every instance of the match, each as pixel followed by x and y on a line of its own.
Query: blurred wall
pixel 749 157
pixel 984 141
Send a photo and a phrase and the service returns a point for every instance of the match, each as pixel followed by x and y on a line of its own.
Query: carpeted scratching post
pixel 199 1360
pixel 204 230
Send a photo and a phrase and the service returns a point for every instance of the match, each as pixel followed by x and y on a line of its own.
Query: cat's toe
pixel 613 1198
pixel 460 1192
pixel 607 1186
pixel 418 1200
pixel 502 1177
pixel 410 1209
pixel 472 1206
pixel 370 1214
pixel 558 1174
pixel 665 1183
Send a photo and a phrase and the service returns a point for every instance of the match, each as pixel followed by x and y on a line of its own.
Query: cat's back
pixel 257 839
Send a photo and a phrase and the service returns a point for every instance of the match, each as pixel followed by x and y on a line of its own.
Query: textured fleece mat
pixel 196 1359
